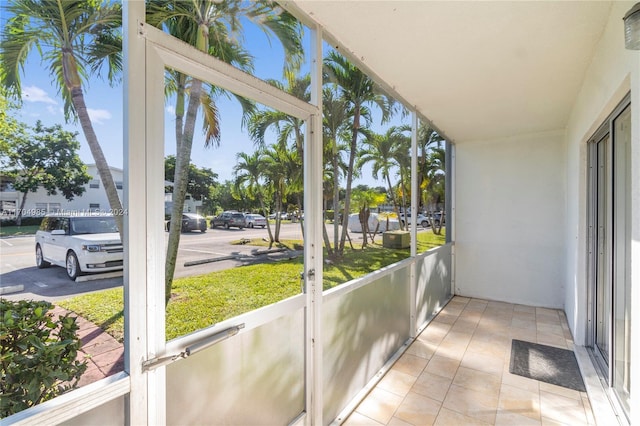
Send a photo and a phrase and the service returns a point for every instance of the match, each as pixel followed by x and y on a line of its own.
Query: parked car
pixel 191 222
pixel 437 217
pixel 79 243
pixel 281 215
pixel 229 219
pixel 421 220
pixel 254 220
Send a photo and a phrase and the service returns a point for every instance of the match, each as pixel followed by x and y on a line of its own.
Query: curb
pixel 11 289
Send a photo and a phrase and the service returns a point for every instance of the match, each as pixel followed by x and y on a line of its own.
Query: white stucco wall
pixel 82 203
pixel 510 219
pixel 612 74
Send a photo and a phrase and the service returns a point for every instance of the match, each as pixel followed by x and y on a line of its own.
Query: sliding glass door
pixel 609 249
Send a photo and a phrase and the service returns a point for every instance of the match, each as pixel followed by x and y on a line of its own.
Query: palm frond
pixel 211 122
pixel 273 20
pixel 71 36
pixel 107 48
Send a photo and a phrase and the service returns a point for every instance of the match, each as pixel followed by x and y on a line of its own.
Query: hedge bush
pixel 37 355
pixel 26 221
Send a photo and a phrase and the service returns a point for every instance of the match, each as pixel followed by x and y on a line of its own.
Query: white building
pixel 38 203
pixel 93 199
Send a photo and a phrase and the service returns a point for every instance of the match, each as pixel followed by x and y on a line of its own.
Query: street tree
pixel 428 139
pixel 250 174
pixel 214 27
pixel 364 198
pixel 402 157
pixel 358 90
pixel 336 117
pixel 383 152
pixel 434 185
pixel 278 171
pixel 287 128
pixel 199 180
pixel 46 157
pixel 10 127
pixel 75 39
pixel 223 197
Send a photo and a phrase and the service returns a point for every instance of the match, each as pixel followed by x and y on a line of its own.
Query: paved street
pixel 21 279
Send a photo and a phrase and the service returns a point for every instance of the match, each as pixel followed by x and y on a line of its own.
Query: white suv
pixel 81 243
pixel 421 219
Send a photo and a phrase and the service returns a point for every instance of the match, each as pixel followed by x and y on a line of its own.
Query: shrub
pixel 26 221
pixel 37 355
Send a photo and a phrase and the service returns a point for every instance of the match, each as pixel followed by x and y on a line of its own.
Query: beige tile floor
pixel 457 372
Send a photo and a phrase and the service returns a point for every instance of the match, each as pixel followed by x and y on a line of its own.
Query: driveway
pixel 199 253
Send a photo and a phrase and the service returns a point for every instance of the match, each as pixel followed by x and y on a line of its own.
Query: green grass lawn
pixel 10 231
pixel 203 300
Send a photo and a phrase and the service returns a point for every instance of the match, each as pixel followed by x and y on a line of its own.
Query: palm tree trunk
pixel 327 242
pixel 364 224
pixel 276 237
pixel 300 218
pixel 77 98
pixel 21 209
pixel 183 158
pixel 336 196
pixel 352 159
pixel 404 200
pixel 394 201
pixel 266 215
pixel 179 111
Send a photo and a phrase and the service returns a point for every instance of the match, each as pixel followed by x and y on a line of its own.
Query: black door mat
pixel 546 364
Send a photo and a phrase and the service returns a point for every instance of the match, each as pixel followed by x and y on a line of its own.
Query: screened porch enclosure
pixel 529 97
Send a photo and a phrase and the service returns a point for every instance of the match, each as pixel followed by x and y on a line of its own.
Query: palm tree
pixel 402 158
pixel 76 39
pixel 434 183
pixel 277 177
pixel 249 174
pixel 208 25
pixel 336 116
pixel 286 126
pixel 382 151
pixel 428 138
pixel 358 90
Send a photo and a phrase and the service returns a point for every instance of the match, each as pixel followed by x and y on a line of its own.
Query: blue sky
pixel 41 101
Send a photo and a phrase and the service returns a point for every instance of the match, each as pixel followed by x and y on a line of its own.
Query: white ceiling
pixel 477 69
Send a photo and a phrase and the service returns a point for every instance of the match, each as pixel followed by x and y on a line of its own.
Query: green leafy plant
pixel 37 355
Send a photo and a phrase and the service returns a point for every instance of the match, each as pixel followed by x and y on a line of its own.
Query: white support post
pixel 634 402
pixel 135 249
pixel 415 203
pixel 313 172
pixel 155 236
pixel 449 190
pixel 144 236
pixel 450 213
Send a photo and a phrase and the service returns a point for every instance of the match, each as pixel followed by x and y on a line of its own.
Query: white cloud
pixel 52 110
pixel 36 94
pixel 170 109
pixel 98 116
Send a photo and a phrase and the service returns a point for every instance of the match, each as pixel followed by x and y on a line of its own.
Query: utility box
pixel 396 239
